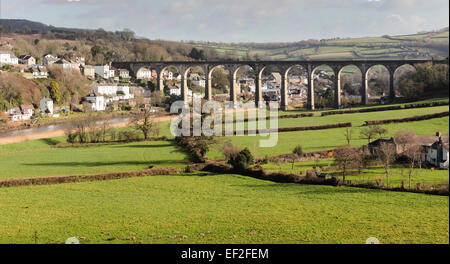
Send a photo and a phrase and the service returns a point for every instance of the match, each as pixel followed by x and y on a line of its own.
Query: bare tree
pixel 368 133
pixel 386 153
pixel 345 159
pixel 381 131
pixel 142 121
pixel 414 155
pixel 348 135
pixel 410 149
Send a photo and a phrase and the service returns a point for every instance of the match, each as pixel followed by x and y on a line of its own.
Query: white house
pixel 438 153
pixel 46 106
pixel 49 59
pixel 144 73
pixel 104 71
pixel 198 80
pixel 27 60
pixel 6 57
pixel 98 103
pixel 113 92
pixel 27 111
pixel 175 91
pixel 123 73
pixel 39 72
pixel 168 75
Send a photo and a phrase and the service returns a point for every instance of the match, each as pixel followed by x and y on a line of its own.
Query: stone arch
pixel 352 88
pixel 382 86
pixel 399 72
pixel 296 96
pixel 323 86
pixel 164 76
pixel 144 72
pixel 213 84
pixel 245 87
pixel 201 81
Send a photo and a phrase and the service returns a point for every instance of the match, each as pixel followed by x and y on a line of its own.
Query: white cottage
pixel 46 106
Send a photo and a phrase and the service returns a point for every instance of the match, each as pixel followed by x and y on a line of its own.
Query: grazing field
pixel 38 159
pixel 398 173
pixel 327 139
pixel 217 209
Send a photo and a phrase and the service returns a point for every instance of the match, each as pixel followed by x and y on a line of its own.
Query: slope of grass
pixel 43 160
pixel 217 209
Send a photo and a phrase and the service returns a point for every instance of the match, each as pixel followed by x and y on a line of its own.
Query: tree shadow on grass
pixel 99 164
pixel 145 146
pixel 329 190
pixel 49 141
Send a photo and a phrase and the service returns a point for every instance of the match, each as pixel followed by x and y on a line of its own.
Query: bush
pixel 242 160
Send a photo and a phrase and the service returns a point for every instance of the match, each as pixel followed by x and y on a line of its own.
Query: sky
pixel 238 20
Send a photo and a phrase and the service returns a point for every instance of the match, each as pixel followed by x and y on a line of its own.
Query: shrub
pixel 242 160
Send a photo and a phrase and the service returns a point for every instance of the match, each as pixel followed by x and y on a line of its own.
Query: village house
pixel 49 59
pixel 88 71
pixel 104 71
pixel 435 150
pixel 39 72
pixel 6 57
pixel 196 79
pixel 168 75
pixel 145 74
pixel 27 60
pixel 98 102
pixel 46 106
pixel 67 65
pixel 113 92
pixel 27 111
pixel 124 74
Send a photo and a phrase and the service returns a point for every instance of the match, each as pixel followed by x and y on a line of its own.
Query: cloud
pixel 239 20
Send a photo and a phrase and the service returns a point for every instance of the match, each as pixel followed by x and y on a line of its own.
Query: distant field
pixel 217 209
pixel 393 47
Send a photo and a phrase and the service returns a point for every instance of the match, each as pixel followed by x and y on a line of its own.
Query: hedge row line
pixel 387 108
pixel 363 110
pixel 5 183
pixel 268 118
pixel 293 129
pixel 281 177
pixel 407 119
pixel 434 104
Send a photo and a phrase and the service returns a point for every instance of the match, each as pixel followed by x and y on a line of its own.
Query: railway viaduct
pixel 283 67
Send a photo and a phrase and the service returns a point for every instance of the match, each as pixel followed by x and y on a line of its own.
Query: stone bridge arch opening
pixel 170 81
pixel 324 86
pixel 195 81
pixel 378 83
pixel 220 84
pixel 401 73
pixel 245 77
pixel 271 77
pixel 296 77
pixel 350 77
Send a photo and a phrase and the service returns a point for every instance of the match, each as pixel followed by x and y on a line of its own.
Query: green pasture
pixel 217 209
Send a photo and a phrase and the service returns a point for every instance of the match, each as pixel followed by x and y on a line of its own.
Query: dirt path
pixel 61 132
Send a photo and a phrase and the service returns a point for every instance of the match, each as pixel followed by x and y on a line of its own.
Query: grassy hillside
pixel 423 45
pixel 217 209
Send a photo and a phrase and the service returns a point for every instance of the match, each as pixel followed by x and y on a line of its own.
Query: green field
pixel 388 47
pixel 44 160
pixel 205 208
pixel 398 174
pixel 217 209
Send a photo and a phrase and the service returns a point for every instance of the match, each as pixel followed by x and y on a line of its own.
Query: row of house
pixel 103 94
pixel 26 112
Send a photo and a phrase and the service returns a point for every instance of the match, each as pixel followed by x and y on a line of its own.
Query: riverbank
pixel 59 131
